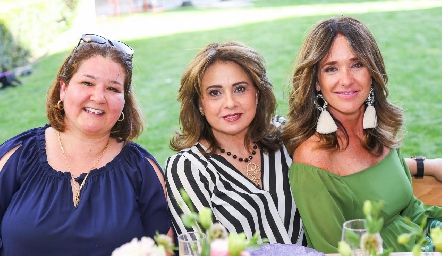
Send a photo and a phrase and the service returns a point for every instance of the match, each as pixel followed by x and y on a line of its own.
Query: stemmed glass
pixel 190 243
pixel 351 228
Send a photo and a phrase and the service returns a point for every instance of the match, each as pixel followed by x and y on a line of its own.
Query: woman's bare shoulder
pixel 309 153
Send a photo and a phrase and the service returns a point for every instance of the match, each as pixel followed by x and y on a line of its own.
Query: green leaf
pixel 367 208
pixel 417 250
pixel 377 208
pixel 189 219
pixel 254 239
pixel 424 222
pixel 386 252
pixel 205 217
pixel 352 237
pixel 344 249
pixel 237 243
pixel 378 226
pixel 186 199
pixel 205 248
pixel 403 239
pixel 436 236
pixel 254 246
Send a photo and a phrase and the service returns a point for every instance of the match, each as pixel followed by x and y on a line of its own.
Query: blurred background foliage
pixel 28 26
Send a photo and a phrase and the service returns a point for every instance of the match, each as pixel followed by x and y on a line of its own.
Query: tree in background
pixel 28 27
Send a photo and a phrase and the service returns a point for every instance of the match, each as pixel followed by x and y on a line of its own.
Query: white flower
pixel 217 231
pixel 371 241
pixel 143 247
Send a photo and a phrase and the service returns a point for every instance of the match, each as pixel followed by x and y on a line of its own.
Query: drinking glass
pixel 190 243
pixel 357 226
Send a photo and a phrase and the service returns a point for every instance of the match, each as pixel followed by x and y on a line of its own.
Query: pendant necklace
pixel 73 181
pixel 253 172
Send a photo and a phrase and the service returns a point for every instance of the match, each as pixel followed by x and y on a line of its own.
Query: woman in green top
pixel 339 88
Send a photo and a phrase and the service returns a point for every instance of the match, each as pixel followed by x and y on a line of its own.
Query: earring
pixel 60 105
pixel 202 111
pixel 370 118
pixel 325 124
pixel 121 117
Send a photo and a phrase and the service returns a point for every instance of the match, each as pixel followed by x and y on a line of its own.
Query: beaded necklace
pixel 253 171
pixel 242 159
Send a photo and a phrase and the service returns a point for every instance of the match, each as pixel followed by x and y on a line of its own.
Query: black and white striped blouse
pixel 236 202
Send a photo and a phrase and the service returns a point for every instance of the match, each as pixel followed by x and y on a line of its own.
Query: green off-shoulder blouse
pixel 325 200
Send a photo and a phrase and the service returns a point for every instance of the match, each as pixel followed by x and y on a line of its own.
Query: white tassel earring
pixel 370 118
pixel 325 124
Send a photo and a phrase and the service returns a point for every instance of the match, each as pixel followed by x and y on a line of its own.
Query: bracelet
pixel 420 166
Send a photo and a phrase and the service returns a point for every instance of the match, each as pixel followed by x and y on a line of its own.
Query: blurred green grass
pixel 408 33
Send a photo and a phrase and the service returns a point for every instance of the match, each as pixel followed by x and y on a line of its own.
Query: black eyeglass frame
pixel 93 38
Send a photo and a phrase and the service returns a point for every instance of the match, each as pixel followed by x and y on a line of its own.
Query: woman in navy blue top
pixel 80 186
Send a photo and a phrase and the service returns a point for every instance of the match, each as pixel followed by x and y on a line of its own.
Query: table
pixel 297 250
pixel 400 254
pixel 428 190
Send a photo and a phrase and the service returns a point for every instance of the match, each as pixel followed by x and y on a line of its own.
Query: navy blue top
pixel 119 201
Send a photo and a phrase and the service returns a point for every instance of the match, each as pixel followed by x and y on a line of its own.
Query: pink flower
pixel 220 247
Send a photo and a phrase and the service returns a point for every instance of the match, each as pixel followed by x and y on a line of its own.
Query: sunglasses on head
pixel 92 38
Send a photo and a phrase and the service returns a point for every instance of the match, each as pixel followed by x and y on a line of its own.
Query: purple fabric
pixel 284 249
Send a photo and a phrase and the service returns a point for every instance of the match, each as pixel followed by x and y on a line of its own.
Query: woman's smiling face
pixel 343 80
pixel 94 98
pixel 229 99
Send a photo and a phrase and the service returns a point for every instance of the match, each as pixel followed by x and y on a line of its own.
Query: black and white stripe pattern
pixel 236 202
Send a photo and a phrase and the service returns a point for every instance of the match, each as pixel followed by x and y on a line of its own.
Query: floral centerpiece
pixel 421 238
pixel 218 242
pixel 371 241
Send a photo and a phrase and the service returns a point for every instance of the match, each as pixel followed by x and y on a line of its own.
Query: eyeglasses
pixel 92 38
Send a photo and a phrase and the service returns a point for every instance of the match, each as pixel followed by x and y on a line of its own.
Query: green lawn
pixel 408 32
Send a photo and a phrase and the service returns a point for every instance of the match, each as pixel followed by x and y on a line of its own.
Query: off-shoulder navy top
pixel 119 202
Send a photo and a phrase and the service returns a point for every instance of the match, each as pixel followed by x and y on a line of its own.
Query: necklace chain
pixel 73 181
pixel 253 170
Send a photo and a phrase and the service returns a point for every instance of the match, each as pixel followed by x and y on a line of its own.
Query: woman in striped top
pixel 229 155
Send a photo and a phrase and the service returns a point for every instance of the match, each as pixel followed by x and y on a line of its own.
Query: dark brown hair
pixel 126 130
pixel 303 115
pixel 195 127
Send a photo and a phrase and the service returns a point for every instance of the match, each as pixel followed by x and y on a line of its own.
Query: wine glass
pixel 190 243
pixel 352 231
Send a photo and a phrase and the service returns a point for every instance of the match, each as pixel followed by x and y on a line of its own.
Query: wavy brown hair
pixel 303 115
pixel 126 130
pixel 195 126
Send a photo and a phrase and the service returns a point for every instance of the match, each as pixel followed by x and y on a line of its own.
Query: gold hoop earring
pixel 122 117
pixel 60 105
